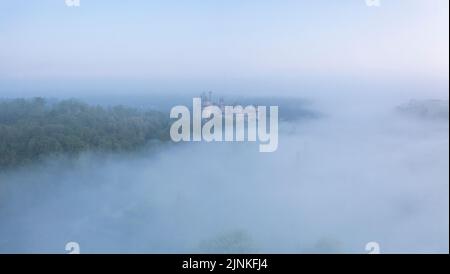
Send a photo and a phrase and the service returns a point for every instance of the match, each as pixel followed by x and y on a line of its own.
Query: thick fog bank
pixel 361 173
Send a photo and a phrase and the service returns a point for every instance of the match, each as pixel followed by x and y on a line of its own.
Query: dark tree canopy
pixel 34 128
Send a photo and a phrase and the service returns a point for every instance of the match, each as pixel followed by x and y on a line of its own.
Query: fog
pixel 350 167
pixel 360 172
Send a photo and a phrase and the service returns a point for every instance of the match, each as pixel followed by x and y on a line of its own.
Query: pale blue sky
pixel 212 39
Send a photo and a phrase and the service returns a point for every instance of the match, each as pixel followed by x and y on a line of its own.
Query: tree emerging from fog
pixel 31 129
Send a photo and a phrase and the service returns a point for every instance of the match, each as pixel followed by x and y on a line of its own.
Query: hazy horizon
pixel 256 47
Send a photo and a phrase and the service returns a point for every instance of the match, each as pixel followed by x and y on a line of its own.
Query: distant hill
pixel 426 109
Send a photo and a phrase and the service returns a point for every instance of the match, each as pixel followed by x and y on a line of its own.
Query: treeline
pixel 34 128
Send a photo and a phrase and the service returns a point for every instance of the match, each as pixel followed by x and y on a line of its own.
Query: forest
pixel 31 129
